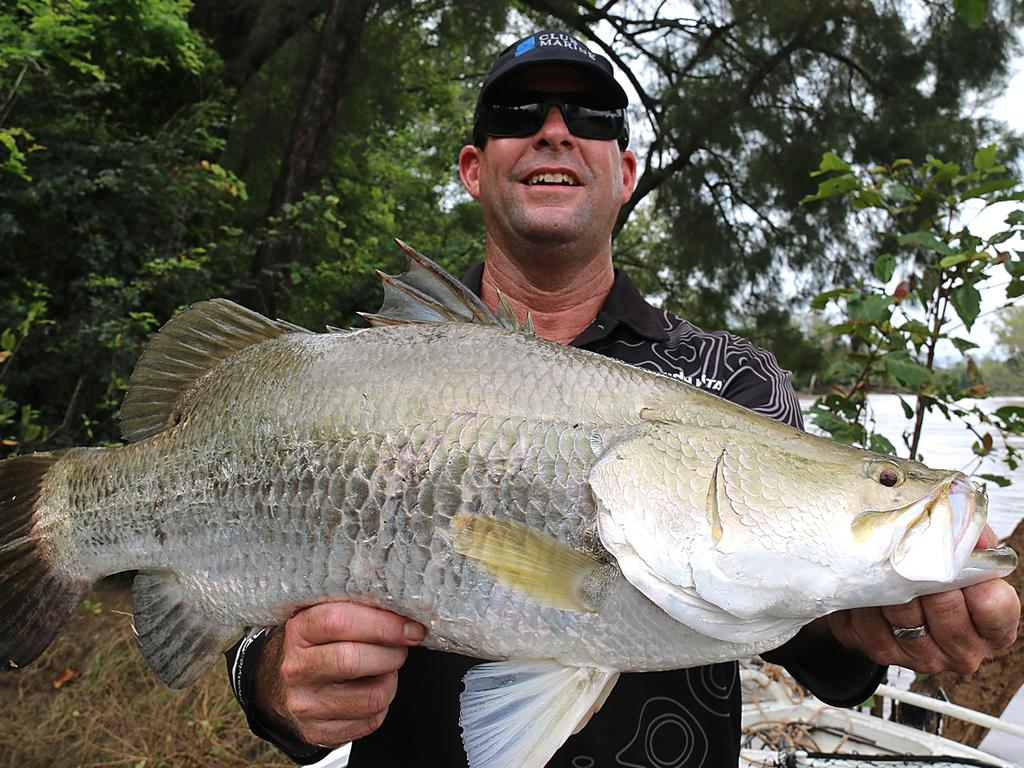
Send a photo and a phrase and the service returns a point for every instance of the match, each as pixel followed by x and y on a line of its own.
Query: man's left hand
pixel 962 626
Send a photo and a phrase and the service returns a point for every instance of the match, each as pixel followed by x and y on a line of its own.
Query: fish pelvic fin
pixel 178 640
pixel 425 293
pixel 547 571
pixel 516 714
pixel 189 346
pixel 36 597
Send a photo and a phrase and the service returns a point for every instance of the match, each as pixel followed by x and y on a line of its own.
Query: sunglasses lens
pixel 515 119
pixel 593 123
pixel 587 114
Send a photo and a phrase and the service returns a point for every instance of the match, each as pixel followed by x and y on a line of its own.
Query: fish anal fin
pixel 549 572
pixel 516 714
pixel 179 641
pixel 186 348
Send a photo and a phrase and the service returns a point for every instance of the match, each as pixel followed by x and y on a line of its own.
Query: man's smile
pixel 563 179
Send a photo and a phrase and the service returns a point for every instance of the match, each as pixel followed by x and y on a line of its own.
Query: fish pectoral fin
pixel 179 641
pixel 516 714
pixel 548 571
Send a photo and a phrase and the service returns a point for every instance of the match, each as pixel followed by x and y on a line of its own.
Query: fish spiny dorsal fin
pixel 505 314
pixel 186 348
pixel 426 293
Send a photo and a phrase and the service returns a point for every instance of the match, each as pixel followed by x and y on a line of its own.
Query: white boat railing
pixel 906 697
pixel 953 710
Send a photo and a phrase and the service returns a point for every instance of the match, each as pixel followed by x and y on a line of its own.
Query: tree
pixel 312 136
pixel 1009 332
pixel 109 226
pixel 738 99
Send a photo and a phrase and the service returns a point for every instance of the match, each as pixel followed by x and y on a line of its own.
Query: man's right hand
pixel 329 674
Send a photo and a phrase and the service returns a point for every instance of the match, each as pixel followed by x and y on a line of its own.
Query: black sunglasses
pixel 587 114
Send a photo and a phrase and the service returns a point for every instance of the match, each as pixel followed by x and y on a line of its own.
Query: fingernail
pixel 414 632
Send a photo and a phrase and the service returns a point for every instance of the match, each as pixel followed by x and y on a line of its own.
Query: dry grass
pixel 117 713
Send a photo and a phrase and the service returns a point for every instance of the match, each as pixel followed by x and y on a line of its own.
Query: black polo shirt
pixel 679 719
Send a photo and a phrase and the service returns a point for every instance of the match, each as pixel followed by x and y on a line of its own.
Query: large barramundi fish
pixel 561 514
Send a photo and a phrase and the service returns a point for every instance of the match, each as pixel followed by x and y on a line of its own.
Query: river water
pixel 948 444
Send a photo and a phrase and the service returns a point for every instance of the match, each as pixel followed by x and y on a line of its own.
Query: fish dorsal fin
pixel 516 714
pixel 426 293
pixel 186 348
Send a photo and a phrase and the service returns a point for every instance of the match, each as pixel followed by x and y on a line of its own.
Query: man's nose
pixel 554 131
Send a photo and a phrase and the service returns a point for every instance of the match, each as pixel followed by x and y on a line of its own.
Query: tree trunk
pixel 992 687
pixel 305 159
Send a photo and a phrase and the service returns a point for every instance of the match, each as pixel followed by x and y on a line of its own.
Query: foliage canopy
pixel 140 141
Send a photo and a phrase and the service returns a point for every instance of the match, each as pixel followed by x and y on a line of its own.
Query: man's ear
pixel 628 174
pixel 469 168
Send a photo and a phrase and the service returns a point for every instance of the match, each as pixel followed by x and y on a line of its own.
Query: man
pixel 550 169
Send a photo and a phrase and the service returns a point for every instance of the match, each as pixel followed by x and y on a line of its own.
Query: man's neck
pixel 562 302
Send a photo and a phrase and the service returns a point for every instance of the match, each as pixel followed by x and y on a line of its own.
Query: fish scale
pixel 564 515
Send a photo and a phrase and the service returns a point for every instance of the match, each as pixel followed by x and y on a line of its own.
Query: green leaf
pixel 905 370
pixel 874 309
pixel 984 158
pixel 971 12
pixel 838 185
pixel 943 170
pixel 963 344
pixel 822 299
pixel 868 198
pixel 902 192
pixel 999 480
pixel 916 330
pixel 880 444
pixel 993 185
pixel 830 161
pixel 949 261
pixel 908 409
pixel 1001 237
pixel 1012 418
pixel 926 240
pixel 1015 289
pixel 884 267
pixel 967 302
pixel 8 340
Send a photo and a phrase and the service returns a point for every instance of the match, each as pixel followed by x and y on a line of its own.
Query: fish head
pixel 733 534
pixel 923 523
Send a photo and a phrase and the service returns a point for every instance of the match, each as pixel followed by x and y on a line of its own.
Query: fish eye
pixel 889 475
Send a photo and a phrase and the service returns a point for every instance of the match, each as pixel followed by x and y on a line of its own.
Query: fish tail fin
pixel 36 598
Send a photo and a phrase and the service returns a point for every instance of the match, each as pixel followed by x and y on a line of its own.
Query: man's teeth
pixel 552 178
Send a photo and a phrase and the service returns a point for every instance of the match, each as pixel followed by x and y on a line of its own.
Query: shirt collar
pixel 624 305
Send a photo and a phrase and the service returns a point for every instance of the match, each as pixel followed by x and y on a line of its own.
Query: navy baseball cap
pixel 552 46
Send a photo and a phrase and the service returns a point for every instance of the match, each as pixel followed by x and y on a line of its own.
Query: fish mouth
pixel 942 530
pixel 932 537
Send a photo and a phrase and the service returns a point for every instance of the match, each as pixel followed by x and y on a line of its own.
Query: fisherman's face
pixel 519 213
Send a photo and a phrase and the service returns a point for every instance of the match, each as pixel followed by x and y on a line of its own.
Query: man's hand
pixel 329 674
pixel 964 626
